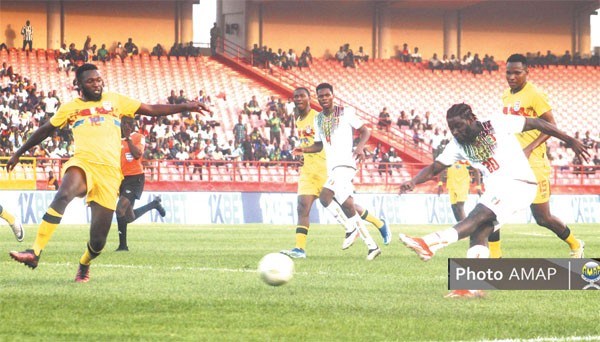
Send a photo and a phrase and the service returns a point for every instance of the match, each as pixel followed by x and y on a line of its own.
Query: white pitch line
pixel 549 339
pixel 535 234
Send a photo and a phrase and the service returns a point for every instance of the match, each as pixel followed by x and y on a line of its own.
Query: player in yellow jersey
pixel 94 170
pixel 458 183
pixel 14 224
pixel 313 176
pixel 524 99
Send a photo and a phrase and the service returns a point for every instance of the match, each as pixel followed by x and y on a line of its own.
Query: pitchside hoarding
pixel 280 208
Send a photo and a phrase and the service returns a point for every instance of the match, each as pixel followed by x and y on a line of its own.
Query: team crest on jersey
pixel 517 106
pixel 107 106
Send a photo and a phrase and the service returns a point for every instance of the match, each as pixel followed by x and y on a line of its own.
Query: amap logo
pixel 590 272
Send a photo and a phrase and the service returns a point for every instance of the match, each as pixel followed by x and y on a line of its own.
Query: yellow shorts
pixel 542 175
pixel 311 183
pixel 102 182
pixel 458 195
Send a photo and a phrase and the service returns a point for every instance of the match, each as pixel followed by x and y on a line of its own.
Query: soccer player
pixel 313 175
pixel 94 169
pixel 524 99
pixel 458 183
pixel 492 147
pixel 132 186
pixel 14 224
pixel 333 132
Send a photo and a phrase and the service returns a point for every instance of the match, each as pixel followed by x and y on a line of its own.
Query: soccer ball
pixel 276 269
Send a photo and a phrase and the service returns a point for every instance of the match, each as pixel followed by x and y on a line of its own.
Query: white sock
pixel 336 211
pixel 441 239
pixel 363 232
pixel 478 252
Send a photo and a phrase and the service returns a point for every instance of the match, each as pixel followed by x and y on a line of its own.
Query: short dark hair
pixel 325 86
pixel 516 58
pixel 303 89
pixel 461 110
pixel 83 68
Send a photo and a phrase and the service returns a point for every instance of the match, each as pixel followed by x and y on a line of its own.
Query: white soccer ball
pixel 276 269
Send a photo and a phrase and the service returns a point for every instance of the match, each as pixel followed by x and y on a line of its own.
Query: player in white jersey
pixel 333 132
pixel 492 148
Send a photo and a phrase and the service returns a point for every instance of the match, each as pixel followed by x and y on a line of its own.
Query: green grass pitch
pixel 198 283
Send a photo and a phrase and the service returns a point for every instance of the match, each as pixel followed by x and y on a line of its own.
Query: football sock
pixel 50 221
pixel 143 209
pixel 301 233
pixel 371 219
pixel 495 250
pixel 336 211
pixel 478 252
pixel 441 239
pixel 7 216
pixel 122 226
pixel 88 255
pixel 569 238
pixel 363 232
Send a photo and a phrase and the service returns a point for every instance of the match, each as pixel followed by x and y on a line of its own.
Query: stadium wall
pixel 106 22
pixel 494 27
pixel 280 208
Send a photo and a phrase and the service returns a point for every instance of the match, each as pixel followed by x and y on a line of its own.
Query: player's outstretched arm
pixel 36 138
pixel 317 146
pixel 544 126
pixel 427 173
pixel 167 109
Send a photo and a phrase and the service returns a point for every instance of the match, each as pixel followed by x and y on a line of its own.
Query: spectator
pixel 405 53
pixel 415 120
pixel 384 122
pixel 476 66
pixel 215 33
pixel 565 59
pixel 305 58
pixel 254 107
pixel 274 124
pixel 415 57
pixel 403 120
pixel 51 104
pixel 349 60
pixel 131 48
pixel 64 62
pixel 120 51
pixel 454 63
pixel 360 56
pixel 340 55
pixel 427 125
pixel 102 54
pixel 384 166
pixel 157 51
pixel 52 183
pixel 489 64
pixel 435 63
pixel 27 33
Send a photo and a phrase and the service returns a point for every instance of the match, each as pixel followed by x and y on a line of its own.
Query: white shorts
pixel 507 197
pixel 339 180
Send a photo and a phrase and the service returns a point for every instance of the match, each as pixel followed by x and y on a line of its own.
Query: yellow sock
pixel 371 219
pixel 50 221
pixel 495 250
pixel 88 255
pixel 301 233
pixel 573 242
pixel 7 216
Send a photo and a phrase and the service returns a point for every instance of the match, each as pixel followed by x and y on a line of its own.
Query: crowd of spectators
pixel 266 57
pixel 350 59
pixel 263 132
pixel 543 61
